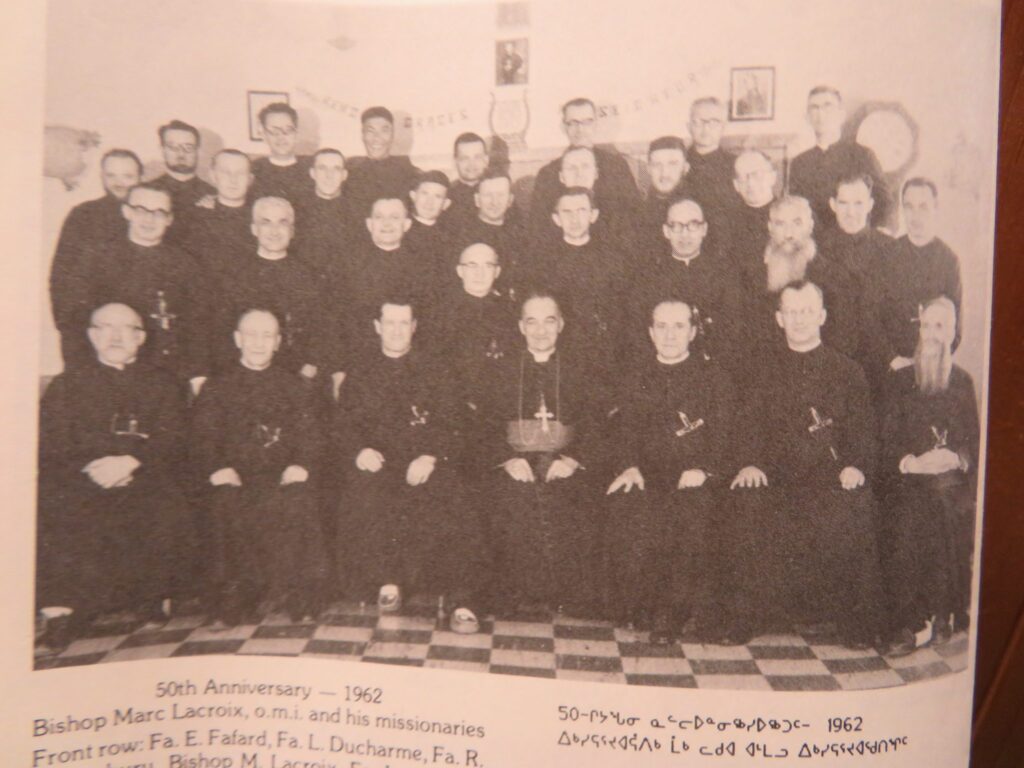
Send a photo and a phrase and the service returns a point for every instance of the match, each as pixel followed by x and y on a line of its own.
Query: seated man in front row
pixel 800 543
pixel 402 526
pixel 539 466
pixel 930 435
pixel 256 440
pixel 115 530
pixel 676 418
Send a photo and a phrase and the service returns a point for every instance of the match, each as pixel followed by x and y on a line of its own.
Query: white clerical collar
pixel 144 245
pixel 115 366
pixel 269 256
pixel 231 203
pixel 577 243
pixel 424 222
pixel 682 359
pixel 541 357
pixel 255 367
pixel 825 144
pixel 925 244
pixel 395 355
pixel 686 259
pixel 181 176
pixel 388 248
pixel 335 196
pixel 283 163
pixel 491 223
pixel 705 151
pixel 802 350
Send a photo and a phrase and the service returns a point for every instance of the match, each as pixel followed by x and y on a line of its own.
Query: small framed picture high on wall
pixel 257 101
pixel 752 93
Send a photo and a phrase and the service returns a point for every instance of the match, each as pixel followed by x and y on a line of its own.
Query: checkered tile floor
pixel 537 645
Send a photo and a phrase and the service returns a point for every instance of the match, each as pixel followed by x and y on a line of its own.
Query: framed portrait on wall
pixel 752 93
pixel 511 61
pixel 257 101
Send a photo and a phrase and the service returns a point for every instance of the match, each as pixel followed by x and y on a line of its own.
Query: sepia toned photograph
pixel 752 93
pixel 681 387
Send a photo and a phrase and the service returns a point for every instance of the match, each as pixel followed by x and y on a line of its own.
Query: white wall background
pixel 122 67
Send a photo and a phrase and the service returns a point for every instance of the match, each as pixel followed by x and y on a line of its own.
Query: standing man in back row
pixel 815 172
pixel 179 143
pixel 281 173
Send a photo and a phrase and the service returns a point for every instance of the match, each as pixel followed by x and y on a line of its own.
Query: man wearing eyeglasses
pixel 87 231
pixel 115 530
pixel 281 173
pixel 615 188
pixel 179 143
pixel 700 274
pixel 799 531
pixel 711 167
pixel 162 281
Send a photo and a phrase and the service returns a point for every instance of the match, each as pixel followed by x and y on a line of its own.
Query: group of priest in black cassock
pixel 715 409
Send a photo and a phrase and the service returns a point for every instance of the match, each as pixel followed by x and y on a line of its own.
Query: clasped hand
pixel 112 471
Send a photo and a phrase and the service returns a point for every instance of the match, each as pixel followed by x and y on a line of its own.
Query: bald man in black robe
pixel 255 439
pixel 672 462
pixel 541 464
pixel 799 536
pixel 930 443
pixel 87 231
pixel 161 281
pixel 115 530
pixel 402 524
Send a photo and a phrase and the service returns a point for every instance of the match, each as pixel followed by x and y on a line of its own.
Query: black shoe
pixel 903 644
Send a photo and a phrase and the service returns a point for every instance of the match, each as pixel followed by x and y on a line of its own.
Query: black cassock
pixel 184 196
pixel 219 238
pixel 545 533
pixel 589 282
pixel 648 242
pixel 264 537
pixel 168 289
pixel 423 537
pixel 431 247
pixel 289 288
pixel 658 542
pixel 370 180
pixel 908 277
pixel 88 231
pixel 323 238
pixel 803 549
pixel 292 182
pixel 711 179
pixel 509 240
pixel 615 195
pixel 814 174
pixel 709 285
pixel 928 520
pixel 108 549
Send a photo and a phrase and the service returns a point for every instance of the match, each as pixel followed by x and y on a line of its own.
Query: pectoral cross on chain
pixel 268 436
pixel 289 334
pixel 494 351
pixel 688 426
pixel 817 422
pixel 544 414
pixel 419 417
pixel 162 316
pixel 941 438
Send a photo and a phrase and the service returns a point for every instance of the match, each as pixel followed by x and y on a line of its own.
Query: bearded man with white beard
pixel 930 455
